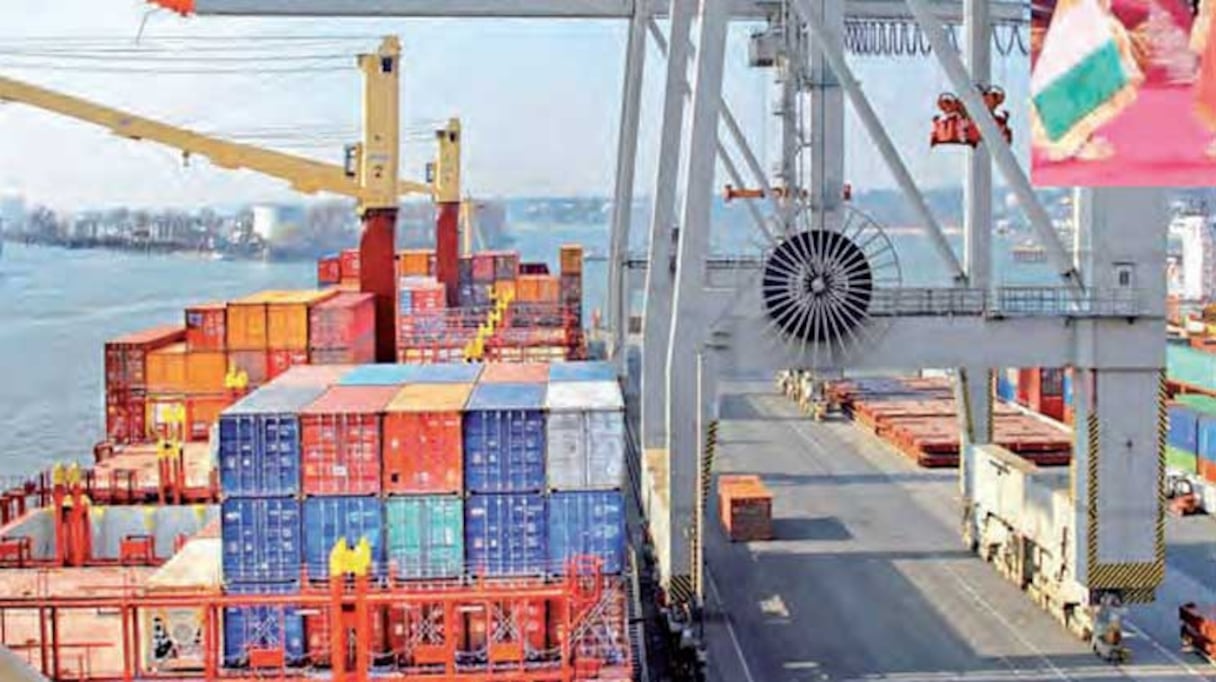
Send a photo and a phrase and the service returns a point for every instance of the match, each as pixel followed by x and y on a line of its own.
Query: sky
pixel 539 102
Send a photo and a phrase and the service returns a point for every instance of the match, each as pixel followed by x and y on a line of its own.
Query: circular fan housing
pixel 817 286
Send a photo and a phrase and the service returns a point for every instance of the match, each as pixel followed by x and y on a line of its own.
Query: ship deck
pixel 868 579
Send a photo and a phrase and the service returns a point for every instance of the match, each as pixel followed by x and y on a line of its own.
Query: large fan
pixel 817 285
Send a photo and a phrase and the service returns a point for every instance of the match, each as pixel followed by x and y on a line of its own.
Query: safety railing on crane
pixel 1004 302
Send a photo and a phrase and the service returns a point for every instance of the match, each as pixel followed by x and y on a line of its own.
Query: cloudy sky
pixel 539 101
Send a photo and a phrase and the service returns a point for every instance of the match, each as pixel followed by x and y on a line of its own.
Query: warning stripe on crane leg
pixel 707 467
pixel 1091 497
pixel 1163 429
pixel 680 589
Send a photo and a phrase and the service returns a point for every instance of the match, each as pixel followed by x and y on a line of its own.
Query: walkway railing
pixel 1006 302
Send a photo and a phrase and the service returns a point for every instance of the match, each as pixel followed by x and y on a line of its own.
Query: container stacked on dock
pixel 126 380
pixel 452 476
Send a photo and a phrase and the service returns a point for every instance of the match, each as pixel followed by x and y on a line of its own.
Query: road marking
pixel 1159 647
pixel 734 639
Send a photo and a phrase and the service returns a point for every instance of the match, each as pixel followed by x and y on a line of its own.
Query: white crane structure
pixel 827 294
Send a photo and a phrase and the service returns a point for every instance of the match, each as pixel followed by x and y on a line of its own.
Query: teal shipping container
pixel 425 536
pixel 1191 366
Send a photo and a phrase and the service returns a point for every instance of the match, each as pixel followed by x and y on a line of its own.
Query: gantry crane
pixel 369 174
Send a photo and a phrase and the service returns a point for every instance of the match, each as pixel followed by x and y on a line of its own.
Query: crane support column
pixel 622 197
pixel 689 326
pixel 446 179
pixel 378 174
pixel 660 270
pixel 1118 397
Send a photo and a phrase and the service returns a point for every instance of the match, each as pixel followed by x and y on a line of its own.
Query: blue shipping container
pixel 504 535
pixel 259 442
pixel 504 439
pixel 582 371
pixel 589 523
pixel 376 375
pixel 1068 386
pixel 1184 428
pixel 1004 389
pixel 262 627
pixel 261 540
pixel 327 519
pixel 1207 439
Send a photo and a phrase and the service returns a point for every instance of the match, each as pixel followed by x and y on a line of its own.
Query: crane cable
pixel 904 38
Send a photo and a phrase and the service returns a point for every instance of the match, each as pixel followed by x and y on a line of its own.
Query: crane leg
pixel 447 245
pixel 378 275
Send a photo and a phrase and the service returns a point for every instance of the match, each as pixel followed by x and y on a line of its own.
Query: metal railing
pixel 1004 302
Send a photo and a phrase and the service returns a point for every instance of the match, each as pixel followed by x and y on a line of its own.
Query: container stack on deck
pixel 449 475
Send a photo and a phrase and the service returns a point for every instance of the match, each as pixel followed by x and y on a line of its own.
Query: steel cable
pixel 904 38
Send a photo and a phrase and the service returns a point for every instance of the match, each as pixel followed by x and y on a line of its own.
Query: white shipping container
pixel 173 637
pixel 585 435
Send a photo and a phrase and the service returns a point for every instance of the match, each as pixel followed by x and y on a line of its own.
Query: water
pixel 57 308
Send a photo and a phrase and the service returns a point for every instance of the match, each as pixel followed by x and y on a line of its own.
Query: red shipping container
pixel 207 326
pixel 1206 469
pixel 316 635
pixel 423 444
pixel 279 361
pixel 483 266
pixel 350 265
pixel 340 440
pixel 341 321
pixel 417 633
pixel 329 271
pixel 362 354
pixel 126 415
pixel 515 373
pixel 1052 406
pixel 254 363
pixel 126 356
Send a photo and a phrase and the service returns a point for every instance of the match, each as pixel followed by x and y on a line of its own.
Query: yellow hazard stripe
pixel 679 589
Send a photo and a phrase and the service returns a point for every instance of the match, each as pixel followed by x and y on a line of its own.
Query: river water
pixel 57 308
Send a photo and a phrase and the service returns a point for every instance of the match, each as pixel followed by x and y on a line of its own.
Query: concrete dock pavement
pixel 868 578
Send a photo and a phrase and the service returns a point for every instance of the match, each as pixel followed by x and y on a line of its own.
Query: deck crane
pixel 369 174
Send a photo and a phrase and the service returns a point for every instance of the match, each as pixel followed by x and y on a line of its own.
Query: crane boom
pixel 303 174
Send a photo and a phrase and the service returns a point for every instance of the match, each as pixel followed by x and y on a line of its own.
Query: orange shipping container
pixel 414 262
pixel 423 450
pixel 287 318
pixel 505 288
pixel 746 508
pixel 537 288
pixel 205 371
pixel 247 322
pixel 167 369
pixel 202 411
pixel 571 259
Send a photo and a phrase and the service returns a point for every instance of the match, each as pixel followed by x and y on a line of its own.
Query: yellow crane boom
pixel 368 180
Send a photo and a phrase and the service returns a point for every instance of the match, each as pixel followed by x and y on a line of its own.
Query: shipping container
pixel 423 441
pixel 346 321
pixel 329 270
pixel 483 266
pixel 126 412
pixel 425 536
pixel 340 440
pixel 586 523
pixel 173 636
pixel 515 373
pixel 505 535
pixel 206 326
pixel 1183 428
pixel 205 371
pixel 126 356
pixel 202 413
pixel 262 628
pixel 259 442
pixel 1181 460
pixel 319 647
pixel 414 262
pixel 1191 366
pixel 399 375
pixel 1068 387
pixel 504 438
pixel 571 257
pixel 349 262
pixel 582 371
pixel 262 541
pixel 746 509
pixel 1004 389
pixel 322 376
pixel 331 519
pixel 585 435
pixel 279 361
pixel 537 288
pixel 287 314
pixel 246 325
pixel 506 266
pixel 1207 439
pixel 464 269
pixel 255 364
pixel 167 369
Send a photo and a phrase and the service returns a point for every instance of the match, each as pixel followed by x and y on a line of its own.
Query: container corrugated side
pixel 262 627
pixel 586 523
pixel 423 439
pixel 1183 428
pixel 259 442
pixel 329 519
pixel 261 540
pixel 504 450
pixel 505 535
pixel 425 536
pixel 1207 439
pixel 585 436
pixel 340 441
pixel 1181 460
pixel 1191 366
pixel 582 371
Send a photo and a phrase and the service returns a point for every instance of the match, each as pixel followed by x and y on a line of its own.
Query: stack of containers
pixel 186 390
pixel 1192 436
pixel 342 330
pixel 483 271
pixel 329 271
pixel 506 269
pixel 126 381
pixel 259 454
pixel 585 464
pixel 421 306
pixel 247 340
pixel 340 446
pixel 348 269
pixel 572 283
pixel 504 476
pixel 287 321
